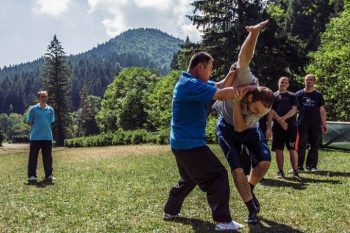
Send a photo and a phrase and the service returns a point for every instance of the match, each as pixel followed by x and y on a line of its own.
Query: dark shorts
pixel 244 149
pixel 281 137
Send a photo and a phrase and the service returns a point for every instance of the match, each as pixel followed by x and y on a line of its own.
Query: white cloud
pixel 52 7
pixel 166 15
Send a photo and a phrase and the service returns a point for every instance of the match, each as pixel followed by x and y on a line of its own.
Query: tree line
pixel 140 98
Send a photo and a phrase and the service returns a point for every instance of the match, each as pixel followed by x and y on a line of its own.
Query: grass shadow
pixel 312 180
pixel 198 225
pixel 41 184
pixel 332 174
pixel 300 185
pixel 274 227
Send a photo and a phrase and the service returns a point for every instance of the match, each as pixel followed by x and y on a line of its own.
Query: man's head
pixel 309 81
pixel 283 84
pixel 42 96
pixel 201 66
pixel 260 100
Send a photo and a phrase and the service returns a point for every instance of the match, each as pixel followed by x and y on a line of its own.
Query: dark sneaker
pixel 300 169
pixel 280 174
pixel 296 175
pixel 169 217
pixel 256 203
pixel 308 168
pixel 252 218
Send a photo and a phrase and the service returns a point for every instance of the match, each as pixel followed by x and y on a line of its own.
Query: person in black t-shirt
pixel 284 128
pixel 311 121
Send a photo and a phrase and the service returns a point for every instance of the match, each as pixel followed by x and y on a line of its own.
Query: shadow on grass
pixel 300 185
pixel 331 174
pixel 198 225
pixel 274 227
pixel 296 184
pixel 41 184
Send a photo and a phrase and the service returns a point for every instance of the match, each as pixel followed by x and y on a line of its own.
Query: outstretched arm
pixel 227 81
pixel 247 50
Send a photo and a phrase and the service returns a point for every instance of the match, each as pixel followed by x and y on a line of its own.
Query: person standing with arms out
pixel 311 122
pixel 239 135
pixel 197 164
pixel 40 118
pixel 284 128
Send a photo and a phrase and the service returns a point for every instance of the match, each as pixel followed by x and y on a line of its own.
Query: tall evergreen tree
pixel 57 81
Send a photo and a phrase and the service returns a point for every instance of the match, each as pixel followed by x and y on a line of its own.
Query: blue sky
pixel 27 26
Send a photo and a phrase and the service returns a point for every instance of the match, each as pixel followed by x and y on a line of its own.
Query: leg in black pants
pixel 33 157
pixel 201 167
pixel 303 140
pixel 47 157
pixel 312 156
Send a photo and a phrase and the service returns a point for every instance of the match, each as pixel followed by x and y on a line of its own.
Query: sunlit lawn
pixel 124 188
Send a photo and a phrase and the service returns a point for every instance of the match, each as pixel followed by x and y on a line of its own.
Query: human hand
pixel 268 133
pixel 324 129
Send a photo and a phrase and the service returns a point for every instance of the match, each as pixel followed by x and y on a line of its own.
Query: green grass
pixel 123 189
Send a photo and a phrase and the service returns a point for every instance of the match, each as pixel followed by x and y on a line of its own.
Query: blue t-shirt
pixel 41 120
pixel 189 108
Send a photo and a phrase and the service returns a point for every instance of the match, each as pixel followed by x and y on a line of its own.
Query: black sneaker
pixel 252 218
pixel 296 175
pixel 256 203
pixel 280 174
pixel 300 169
pixel 308 168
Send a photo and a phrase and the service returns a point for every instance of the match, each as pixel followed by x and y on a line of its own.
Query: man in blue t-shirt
pixel 40 118
pixel 197 164
pixel 311 122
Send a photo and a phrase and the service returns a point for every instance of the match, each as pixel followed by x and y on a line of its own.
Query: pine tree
pixel 57 81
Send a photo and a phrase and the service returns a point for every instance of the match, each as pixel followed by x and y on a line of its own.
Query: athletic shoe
pixel 228 226
pixel 296 175
pixel 280 174
pixel 314 169
pixel 32 179
pixel 256 203
pixel 253 218
pixel 169 217
pixel 51 178
pixel 309 169
pixel 300 169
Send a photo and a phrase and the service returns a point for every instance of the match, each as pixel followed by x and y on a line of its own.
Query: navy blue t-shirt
pixel 189 107
pixel 283 103
pixel 309 104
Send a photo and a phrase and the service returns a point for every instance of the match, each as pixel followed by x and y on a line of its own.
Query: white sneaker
pixel 51 178
pixel 168 217
pixel 32 179
pixel 228 226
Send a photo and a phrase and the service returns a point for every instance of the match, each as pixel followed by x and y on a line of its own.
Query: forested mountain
pixel 95 68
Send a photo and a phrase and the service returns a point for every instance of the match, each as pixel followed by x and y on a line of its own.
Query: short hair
pixel 281 78
pixel 38 94
pixel 310 75
pixel 200 57
pixel 263 94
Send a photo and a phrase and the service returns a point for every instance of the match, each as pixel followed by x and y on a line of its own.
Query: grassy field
pixel 124 188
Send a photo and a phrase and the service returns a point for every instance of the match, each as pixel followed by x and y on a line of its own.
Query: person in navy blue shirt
pixel 40 118
pixel 311 122
pixel 197 164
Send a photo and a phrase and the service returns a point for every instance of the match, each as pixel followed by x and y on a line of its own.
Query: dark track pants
pixel 308 135
pixel 201 167
pixel 46 151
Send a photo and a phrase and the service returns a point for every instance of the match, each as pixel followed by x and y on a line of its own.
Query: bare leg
pixel 293 159
pixel 259 172
pixel 279 159
pixel 241 183
pixel 247 50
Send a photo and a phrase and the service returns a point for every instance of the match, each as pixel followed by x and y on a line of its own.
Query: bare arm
pixel 247 50
pixel 268 131
pixel 289 114
pixel 227 81
pixel 324 119
pixel 238 119
pixel 227 93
